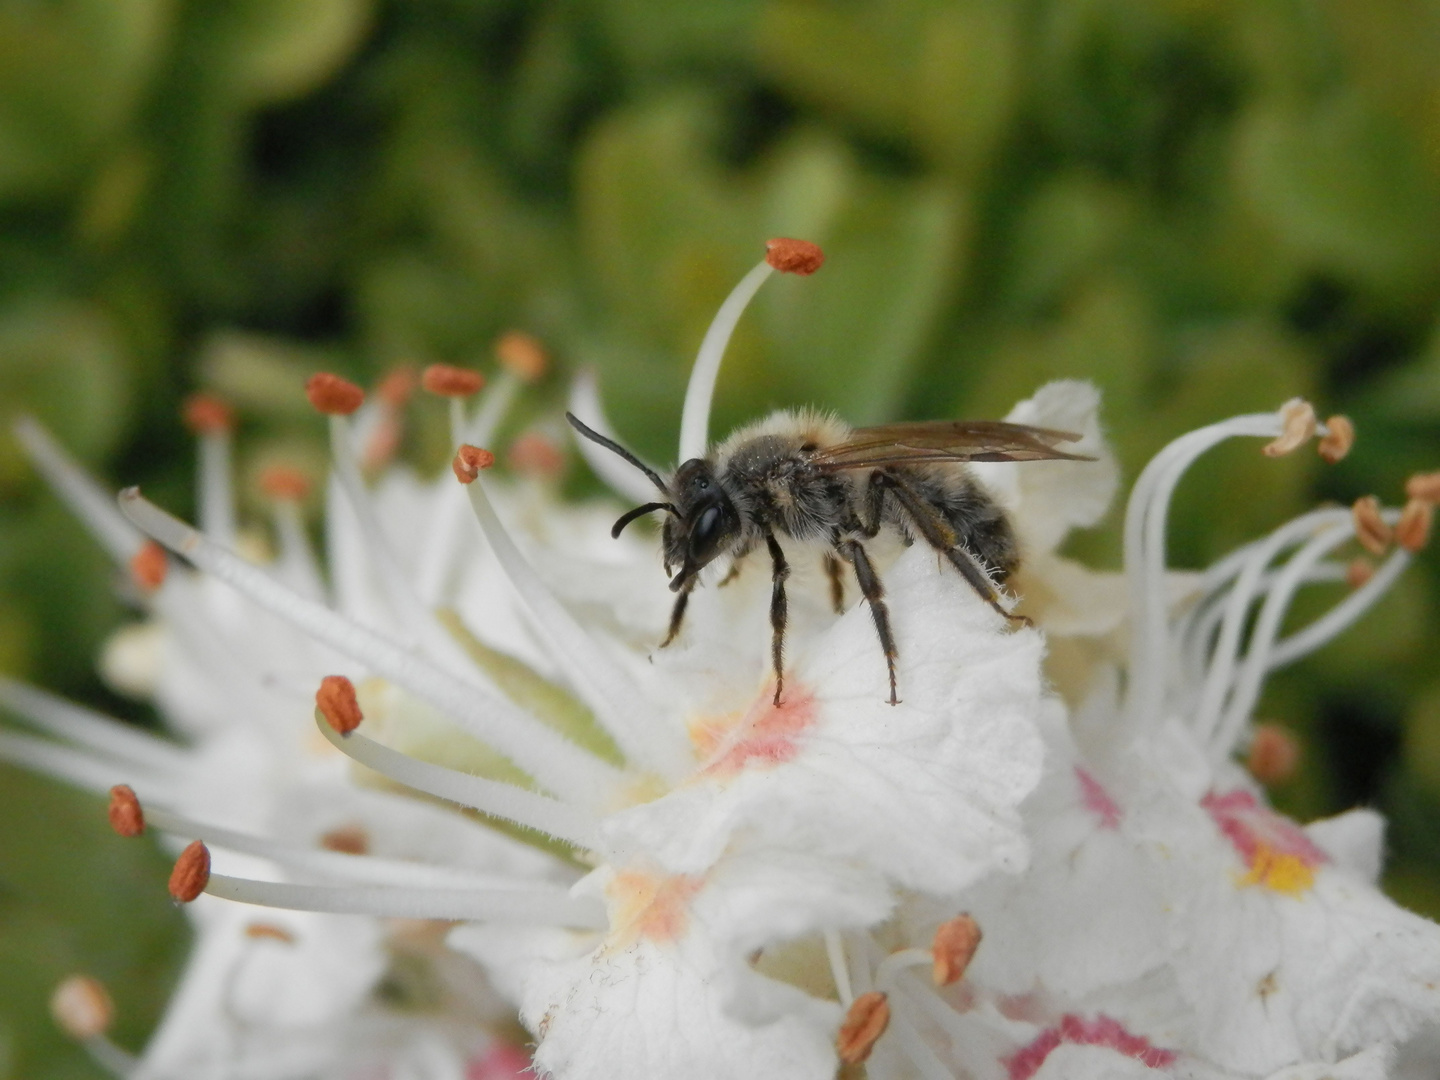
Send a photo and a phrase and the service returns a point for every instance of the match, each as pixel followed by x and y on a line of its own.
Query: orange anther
pixel 191 873
pixel 82 1007
pixel 337 703
pixel 126 816
pixel 522 355
pixel 1274 754
pixel 1359 572
pixel 1339 439
pixel 269 931
pixel 206 414
pixel 535 455
pixel 469 460
pixel 332 395
pixel 953 949
pixel 284 482
pixel 793 256
pixel 450 381
pixel 347 839
pixel 1424 486
pixel 397 386
pixel 1297 427
pixel 865 1021
pixel 149 565
pixel 1412 531
pixel 1370 528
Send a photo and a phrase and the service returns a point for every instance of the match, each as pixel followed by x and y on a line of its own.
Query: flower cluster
pixel 721 881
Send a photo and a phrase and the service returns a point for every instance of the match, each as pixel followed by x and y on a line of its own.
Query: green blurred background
pixel 1203 205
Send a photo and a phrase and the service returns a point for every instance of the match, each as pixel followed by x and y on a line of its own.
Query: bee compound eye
pixel 707 525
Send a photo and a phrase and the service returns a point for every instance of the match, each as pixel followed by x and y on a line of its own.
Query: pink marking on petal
pixel 1097 800
pixel 1275 850
pixel 500 1061
pixel 767 734
pixel 654 907
pixel 1102 1031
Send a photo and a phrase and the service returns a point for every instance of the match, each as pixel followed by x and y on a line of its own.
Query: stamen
pixel 82 1007
pixel 1424 486
pixel 1359 572
pixel 88 501
pixel 532 454
pixel 106 736
pixel 332 395
pixel 148 566
pixel 1338 439
pixel 284 483
pixel 191 873
pixel 337 703
pixel 954 948
pixel 457 384
pixel 546 907
pixel 527 808
pixel 1323 630
pixel 1370 528
pixel 446 381
pixel 839 968
pixel 794 256
pixel 695 417
pixel 212 420
pixel 72 766
pixel 377 426
pixel 269 931
pixel 397 386
pixel 1274 754
pixel 865 1021
pixel 1412 531
pixel 620 477
pixel 1297 427
pixel 468 462
pixel 643 737
pixel 327 863
pixel 126 816
pixel 558 764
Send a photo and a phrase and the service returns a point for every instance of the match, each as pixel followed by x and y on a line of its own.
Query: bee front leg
pixel 677 613
pixel 874 594
pixel 779 611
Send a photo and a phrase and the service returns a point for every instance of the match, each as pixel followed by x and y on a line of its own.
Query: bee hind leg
pixel 837 584
pixel 779 612
pixel 874 594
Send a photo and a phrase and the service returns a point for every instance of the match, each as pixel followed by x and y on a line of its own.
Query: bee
pixel 809 478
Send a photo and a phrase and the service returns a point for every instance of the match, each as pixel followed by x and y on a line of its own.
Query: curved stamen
pixel 626 715
pixel 546 907
pixel 324 863
pixel 76 767
pixel 695 417
pixel 556 763
pixel 1325 629
pixel 90 729
pixel 88 501
pixel 488 796
pixel 585 401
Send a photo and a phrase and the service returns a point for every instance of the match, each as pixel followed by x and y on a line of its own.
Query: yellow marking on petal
pixel 1282 873
pixel 649 906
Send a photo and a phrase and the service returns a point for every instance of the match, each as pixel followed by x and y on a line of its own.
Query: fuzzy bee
pixel 813 480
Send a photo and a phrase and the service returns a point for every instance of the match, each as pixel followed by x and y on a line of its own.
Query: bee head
pixel 703 524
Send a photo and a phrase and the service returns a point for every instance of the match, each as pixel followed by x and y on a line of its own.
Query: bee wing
pixel 945 440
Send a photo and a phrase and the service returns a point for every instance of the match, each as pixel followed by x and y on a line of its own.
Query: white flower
pixel 721 823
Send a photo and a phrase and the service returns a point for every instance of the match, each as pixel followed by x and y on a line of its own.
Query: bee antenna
pixel 616 448
pixel 639 511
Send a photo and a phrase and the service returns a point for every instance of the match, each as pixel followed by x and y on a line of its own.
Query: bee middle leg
pixel 779 612
pixel 874 594
pixel 931 525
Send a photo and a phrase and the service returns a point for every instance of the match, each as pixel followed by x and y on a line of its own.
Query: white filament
pixel 556 763
pixel 622 477
pixel 215 496
pixel 642 734
pixel 89 729
pixel 88 501
pixel 839 968
pixel 494 406
pixel 296 566
pixel 547 907
pixel 695 419
pixel 488 796
pixel 76 767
